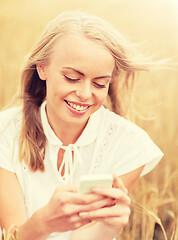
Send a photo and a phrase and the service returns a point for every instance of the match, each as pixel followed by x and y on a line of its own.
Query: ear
pixel 41 72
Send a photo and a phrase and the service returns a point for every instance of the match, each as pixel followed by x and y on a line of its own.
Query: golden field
pixel 153 23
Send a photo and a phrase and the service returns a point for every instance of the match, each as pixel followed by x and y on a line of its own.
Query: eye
pixel 99 85
pixel 71 79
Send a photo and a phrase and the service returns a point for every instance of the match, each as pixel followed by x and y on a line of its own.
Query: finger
pixel 67 188
pixel 106 202
pixel 117 182
pixel 77 198
pixel 115 211
pixel 70 209
pixel 89 198
pixel 115 193
pixel 78 221
pixel 114 221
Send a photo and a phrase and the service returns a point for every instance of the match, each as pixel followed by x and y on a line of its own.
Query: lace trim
pixel 103 147
pixel 26 190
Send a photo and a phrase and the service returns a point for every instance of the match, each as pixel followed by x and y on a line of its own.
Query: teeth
pixel 77 107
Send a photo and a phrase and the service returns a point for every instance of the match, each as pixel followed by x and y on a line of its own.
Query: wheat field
pixel 154 24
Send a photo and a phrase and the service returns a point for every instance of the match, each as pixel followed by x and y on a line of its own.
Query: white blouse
pixel 108 144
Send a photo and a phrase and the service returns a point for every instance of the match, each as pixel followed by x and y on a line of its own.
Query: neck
pixel 67 133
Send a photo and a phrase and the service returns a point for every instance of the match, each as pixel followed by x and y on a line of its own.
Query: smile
pixel 77 107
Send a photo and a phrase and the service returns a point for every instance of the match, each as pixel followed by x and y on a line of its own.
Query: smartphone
pixel 87 182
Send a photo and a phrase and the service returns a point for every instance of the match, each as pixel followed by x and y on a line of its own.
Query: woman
pixel 63 132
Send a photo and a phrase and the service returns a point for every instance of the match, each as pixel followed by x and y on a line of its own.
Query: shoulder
pixel 120 125
pixel 128 146
pixel 10 125
pixel 10 118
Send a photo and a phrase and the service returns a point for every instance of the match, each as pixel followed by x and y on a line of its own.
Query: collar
pixel 87 137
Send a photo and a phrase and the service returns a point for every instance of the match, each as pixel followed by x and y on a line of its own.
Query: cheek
pixel 53 92
pixel 101 97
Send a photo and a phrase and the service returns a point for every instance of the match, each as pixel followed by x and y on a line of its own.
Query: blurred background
pixel 154 24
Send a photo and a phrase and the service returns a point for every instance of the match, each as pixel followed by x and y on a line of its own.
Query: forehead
pixel 81 52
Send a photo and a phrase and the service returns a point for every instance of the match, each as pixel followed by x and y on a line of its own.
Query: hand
pixel 114 217
pixel 62 212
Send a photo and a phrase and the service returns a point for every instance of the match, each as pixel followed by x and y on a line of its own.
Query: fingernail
pixel 83 214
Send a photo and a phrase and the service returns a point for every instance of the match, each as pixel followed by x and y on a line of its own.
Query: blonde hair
pixel 33 90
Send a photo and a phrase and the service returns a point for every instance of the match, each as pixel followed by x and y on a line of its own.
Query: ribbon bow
pixel 70 161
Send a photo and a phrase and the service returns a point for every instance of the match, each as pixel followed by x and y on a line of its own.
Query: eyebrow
pixel 79 72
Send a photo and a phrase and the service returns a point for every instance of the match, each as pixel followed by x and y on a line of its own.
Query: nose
pixel 84 91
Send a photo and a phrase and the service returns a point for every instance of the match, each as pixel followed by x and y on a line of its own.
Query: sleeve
pixel 153 156
pixel 133 151
pixel 6 148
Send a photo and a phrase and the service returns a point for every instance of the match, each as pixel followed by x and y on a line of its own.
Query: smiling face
pixel 77 79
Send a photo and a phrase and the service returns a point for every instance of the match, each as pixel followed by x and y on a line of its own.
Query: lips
pixel 77 107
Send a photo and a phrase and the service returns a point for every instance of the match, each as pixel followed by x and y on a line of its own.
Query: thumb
pixel 117 183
